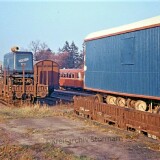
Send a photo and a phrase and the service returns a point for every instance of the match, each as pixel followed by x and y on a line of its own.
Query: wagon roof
pixel 35 62
pixel 144 24
pixel 71 70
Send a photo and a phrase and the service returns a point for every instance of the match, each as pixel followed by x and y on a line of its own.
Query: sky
pixel 55 22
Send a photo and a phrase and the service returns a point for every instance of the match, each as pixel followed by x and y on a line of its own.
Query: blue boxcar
pixel 13 62
pixel 125 60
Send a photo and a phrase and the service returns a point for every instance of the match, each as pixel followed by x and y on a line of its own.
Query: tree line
pixel 68 56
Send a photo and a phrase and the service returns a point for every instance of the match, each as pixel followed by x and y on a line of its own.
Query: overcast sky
pixel 55 22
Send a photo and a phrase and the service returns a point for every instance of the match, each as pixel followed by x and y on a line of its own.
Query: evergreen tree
pixel 81 60
pixel 72 60
pixel 74 55
pixel 66 49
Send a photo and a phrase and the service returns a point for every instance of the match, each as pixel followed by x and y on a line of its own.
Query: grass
pixel 45 151
pixel 35 111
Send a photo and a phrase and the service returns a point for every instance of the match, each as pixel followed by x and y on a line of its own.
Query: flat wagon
pixel 122 64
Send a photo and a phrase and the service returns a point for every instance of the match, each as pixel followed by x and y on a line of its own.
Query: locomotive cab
pixel 15 61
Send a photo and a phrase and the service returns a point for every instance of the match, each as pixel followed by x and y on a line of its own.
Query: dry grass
pixel 37 151
pixel 35 111
pixel 153 146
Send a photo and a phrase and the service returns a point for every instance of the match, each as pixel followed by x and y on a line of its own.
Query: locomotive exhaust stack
pixel 15 49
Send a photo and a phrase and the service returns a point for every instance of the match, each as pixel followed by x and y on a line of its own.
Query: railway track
pixel 68 95
pixel 14 103
pixel 59 96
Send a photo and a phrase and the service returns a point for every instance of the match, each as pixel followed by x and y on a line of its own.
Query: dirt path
pixel 76 137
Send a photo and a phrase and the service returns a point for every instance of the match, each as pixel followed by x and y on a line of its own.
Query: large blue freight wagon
pixel 125 60
pixel 15 61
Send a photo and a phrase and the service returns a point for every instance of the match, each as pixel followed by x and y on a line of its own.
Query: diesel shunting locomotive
pixel 20 79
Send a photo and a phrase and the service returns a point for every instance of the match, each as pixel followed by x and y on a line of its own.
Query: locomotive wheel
pixel 98 98
pixel 140 105
pixel 111 100
pixel 120 101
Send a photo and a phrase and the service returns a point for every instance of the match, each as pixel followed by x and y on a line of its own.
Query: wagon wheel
pixel 120 101
pixel 42 94
pixel 98 98
pixel 140 105
pixel 111 100
pixel 18 95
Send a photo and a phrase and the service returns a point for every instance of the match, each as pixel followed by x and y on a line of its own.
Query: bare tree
pixel 61 59
pixel 45 54
pixel 67 57
pixel 38 49
pixel 34 46
pixel 43 46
